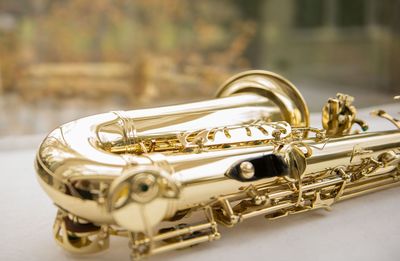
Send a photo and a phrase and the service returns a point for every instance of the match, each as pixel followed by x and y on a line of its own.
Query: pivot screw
pixel 246 170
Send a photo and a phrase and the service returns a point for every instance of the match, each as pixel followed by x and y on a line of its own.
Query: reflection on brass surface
pixel 146 174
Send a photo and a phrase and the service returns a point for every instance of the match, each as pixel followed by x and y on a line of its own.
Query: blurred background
pixel 61 60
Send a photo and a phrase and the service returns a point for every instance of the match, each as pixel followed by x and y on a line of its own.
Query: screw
pixel 246 170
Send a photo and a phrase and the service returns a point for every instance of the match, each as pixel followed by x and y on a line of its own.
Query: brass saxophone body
pixel 148 174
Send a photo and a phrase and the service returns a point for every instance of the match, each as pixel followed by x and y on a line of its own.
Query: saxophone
pixel 166 178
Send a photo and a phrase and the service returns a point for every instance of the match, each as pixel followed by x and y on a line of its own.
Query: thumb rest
pixel 167 177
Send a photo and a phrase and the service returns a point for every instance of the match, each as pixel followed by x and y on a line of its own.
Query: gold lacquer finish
pixel 166 178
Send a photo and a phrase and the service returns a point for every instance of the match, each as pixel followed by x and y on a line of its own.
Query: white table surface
pixel 364 228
